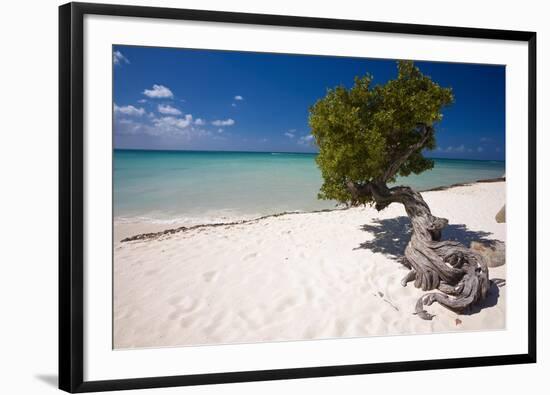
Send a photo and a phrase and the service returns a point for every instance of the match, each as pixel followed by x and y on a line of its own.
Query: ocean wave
pixel 183 220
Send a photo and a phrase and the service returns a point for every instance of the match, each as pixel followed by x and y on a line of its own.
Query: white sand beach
pixel 294 276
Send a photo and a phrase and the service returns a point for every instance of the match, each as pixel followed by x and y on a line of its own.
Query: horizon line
pixel 276 152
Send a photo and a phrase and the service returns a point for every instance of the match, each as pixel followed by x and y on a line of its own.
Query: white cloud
pixel 127 126
pixel 460 148
pixel 158 91
pixel 485 139
pixel 129 110
pixel 173 122
pixel 220 130
pixel 119 58
pixel 142 101
pixel 223 122
pixel 199 121
pixel 182 127
pixel 166 126
pixel 168 110
pixel 236 98
pixel 289 134
pixel 306 140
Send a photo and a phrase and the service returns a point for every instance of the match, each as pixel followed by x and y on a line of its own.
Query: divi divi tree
pixel 367 136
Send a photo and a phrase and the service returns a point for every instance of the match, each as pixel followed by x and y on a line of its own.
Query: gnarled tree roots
pixel 459 273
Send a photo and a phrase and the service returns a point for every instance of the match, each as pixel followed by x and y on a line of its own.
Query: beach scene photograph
pixel 266 197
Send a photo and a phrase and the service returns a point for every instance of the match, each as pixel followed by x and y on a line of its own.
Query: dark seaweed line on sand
pixel 464 184
pixel 156 235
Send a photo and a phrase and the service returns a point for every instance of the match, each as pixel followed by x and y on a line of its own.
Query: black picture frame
pixel 71 173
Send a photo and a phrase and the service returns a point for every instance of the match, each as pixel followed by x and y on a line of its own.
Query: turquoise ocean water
pixel 212 186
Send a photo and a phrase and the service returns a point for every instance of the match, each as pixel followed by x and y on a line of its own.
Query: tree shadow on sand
pixel 391 236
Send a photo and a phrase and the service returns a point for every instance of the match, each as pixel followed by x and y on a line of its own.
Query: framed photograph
pixel 251 197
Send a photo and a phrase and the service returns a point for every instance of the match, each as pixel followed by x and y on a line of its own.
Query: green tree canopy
pixel 372 134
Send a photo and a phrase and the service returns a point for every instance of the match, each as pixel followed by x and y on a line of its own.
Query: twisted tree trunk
pixel 458 272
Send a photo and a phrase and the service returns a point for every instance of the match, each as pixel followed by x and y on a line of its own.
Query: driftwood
pixel 458 272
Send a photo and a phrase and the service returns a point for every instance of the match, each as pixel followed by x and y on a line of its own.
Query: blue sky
pixel 184 99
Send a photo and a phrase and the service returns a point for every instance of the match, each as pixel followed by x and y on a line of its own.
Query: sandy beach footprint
pixel 210 276
pixel 182 305
pixel 249 320
pixel 286 304
pixel 250 256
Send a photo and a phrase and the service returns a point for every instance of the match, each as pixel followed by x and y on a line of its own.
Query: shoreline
pixel 169 231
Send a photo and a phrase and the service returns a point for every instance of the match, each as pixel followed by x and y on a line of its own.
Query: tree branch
pixel 425 132
pixel 379 192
